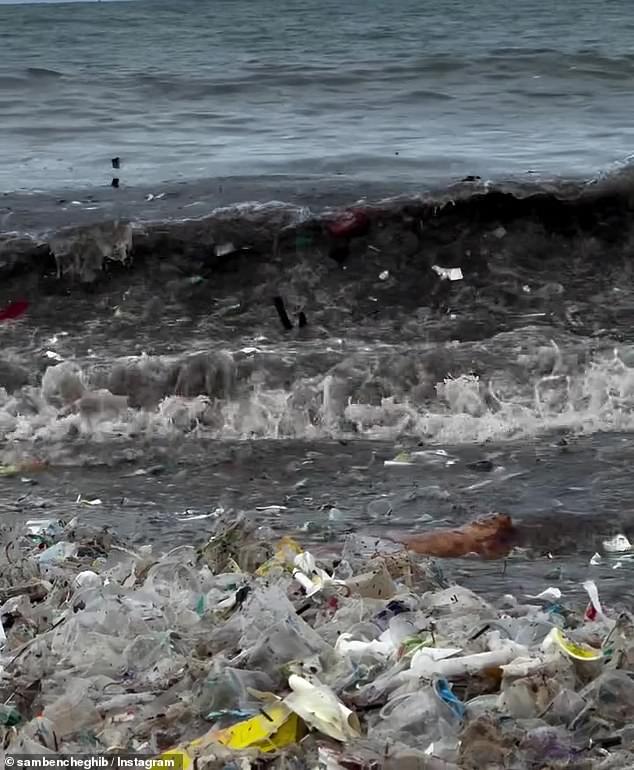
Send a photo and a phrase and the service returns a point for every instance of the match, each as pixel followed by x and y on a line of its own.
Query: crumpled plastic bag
pixel 320 708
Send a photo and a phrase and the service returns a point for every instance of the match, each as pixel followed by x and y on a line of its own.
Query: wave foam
pixel 217 396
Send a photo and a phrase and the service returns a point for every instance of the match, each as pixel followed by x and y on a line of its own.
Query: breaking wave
pixel 247 394
pixel 483 312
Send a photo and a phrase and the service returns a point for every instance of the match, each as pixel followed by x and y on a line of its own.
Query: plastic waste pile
pixel 249 653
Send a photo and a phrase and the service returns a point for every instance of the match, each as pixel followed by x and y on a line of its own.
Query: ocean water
pixel 371 89
pixel 341 159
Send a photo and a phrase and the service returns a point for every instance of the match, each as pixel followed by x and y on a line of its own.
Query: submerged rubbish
pixel 14 310
pixel 248 653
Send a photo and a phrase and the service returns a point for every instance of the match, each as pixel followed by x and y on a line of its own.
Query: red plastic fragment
pixel 14 310
pixel 591 612
pixel 349 224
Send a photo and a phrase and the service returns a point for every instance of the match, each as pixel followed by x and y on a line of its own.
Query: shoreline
pixel 252 648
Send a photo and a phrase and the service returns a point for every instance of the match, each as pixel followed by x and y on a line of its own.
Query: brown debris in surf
pixel 490 537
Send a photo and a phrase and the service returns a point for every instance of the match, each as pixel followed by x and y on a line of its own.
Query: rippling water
pixel 374 89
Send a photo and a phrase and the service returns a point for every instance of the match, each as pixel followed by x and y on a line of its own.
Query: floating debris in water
pixel 617 544
pixel 85 501
pixel 549 594
pixel 402 458
pixel 448 273
pixel 14 310
pixel 223 249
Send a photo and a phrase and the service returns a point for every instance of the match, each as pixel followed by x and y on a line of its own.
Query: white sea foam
pixel 556 392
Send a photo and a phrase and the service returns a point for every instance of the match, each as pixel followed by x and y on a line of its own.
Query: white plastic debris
pixel 355 649
pixel 43 527
pixel 230 602
pixel 433 653
pixel 320 708
pixel 448 273
pixel 594 609
pixel 550 594
pixel 596 560
pixel 384 275
pixel 617 544
pixel 198 516
pixel 327 759
pixel 403 458
pixel 525 666
pixel 306 583
pixel 311 577
pixel 54 356
pixel 385 646
pixel 87 579
pixel 222 249
pixel 501 651
pixel 86 501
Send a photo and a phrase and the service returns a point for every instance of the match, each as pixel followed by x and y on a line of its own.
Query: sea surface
pixel 373 89
pixel 343 158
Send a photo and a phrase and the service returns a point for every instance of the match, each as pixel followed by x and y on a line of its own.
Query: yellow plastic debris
pixel 274 728
pixel 574 650
pixel 287 550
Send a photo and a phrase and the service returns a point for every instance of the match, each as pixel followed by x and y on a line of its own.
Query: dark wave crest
pixel 571 234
